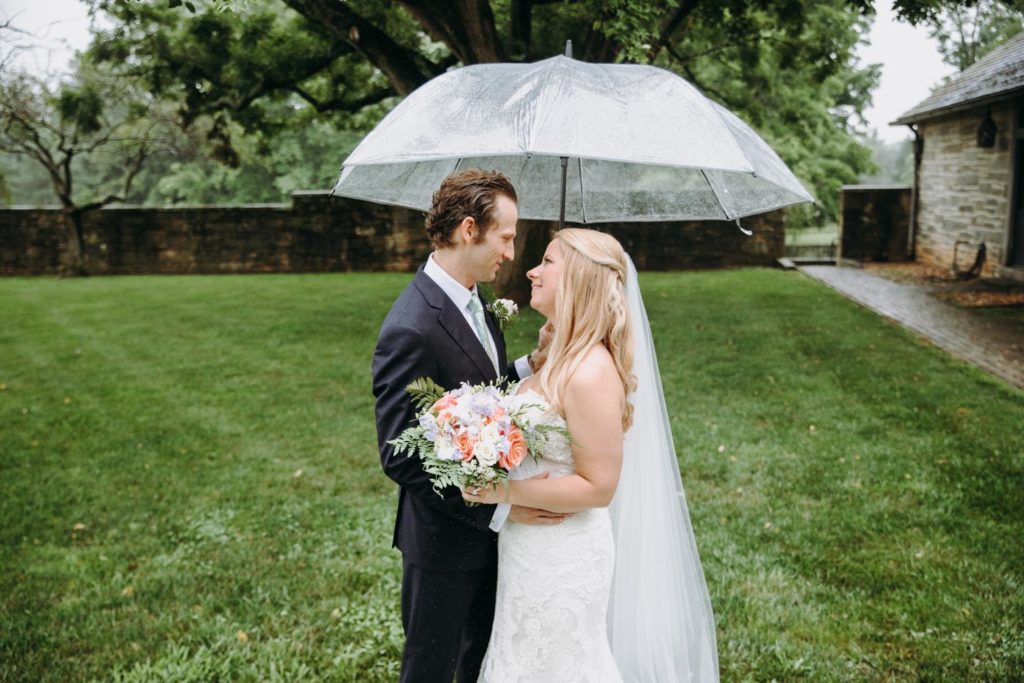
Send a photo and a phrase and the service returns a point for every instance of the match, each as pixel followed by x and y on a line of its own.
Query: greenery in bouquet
pixel 470 436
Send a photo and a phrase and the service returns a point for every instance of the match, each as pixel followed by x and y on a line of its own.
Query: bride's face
pixel 545 279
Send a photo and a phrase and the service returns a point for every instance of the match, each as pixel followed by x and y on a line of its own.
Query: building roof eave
pixel 917 117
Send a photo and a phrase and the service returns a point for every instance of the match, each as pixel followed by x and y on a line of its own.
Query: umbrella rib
pixel 718 197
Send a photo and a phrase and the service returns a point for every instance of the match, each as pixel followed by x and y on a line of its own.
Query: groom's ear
pixel 466 231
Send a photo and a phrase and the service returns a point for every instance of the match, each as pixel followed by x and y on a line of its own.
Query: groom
pixel 439 327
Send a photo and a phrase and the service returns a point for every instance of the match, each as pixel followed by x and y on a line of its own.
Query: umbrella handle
pixel 746 232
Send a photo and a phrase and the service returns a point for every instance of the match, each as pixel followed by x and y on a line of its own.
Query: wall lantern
pixel 987 131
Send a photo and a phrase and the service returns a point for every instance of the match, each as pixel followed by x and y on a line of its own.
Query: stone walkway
pixel 978 341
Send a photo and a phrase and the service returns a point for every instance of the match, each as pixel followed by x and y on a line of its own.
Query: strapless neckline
pixel 531 391
pixel 544 401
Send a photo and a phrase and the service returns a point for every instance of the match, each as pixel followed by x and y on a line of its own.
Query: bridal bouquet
pixel 471 436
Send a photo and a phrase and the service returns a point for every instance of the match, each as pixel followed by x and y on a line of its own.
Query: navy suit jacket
pixel 425 335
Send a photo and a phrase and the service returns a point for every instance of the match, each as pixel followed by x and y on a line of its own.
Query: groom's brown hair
pixel 473 193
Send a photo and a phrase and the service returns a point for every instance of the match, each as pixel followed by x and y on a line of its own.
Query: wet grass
pixel 802 237
pixel 190 487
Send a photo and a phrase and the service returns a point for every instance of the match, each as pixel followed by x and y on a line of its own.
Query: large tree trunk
pixel 73 259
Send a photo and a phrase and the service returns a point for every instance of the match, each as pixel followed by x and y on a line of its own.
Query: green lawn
pixel 800 237
pixel 190 490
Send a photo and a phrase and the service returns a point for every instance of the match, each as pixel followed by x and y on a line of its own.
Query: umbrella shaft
pixel 561 210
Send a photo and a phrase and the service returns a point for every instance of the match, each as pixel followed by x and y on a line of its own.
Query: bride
pixel 615 592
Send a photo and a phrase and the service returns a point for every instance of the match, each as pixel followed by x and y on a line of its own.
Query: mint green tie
pixel 476 310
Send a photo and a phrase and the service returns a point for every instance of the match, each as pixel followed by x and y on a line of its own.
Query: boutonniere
pixel 505 310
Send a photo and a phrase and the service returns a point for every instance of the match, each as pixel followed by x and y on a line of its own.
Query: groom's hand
pixel 539 355
pixel 544 336
pixel 525 515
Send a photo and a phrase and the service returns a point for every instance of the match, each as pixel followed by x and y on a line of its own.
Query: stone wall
pixel 874 222
pixel 964 190
pixel 319 233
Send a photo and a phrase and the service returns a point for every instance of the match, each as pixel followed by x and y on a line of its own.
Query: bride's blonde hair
pixel 590 309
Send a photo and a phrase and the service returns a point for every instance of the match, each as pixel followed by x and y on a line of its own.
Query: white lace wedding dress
pixel 554 584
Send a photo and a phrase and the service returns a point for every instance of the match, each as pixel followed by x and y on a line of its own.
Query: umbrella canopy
pixel 642 144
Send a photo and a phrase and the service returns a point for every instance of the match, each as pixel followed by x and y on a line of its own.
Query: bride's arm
pixel 593 402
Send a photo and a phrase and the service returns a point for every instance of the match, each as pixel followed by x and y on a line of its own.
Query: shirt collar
pixel 459 295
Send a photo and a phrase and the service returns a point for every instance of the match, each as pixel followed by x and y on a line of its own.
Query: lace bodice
pixel 556 458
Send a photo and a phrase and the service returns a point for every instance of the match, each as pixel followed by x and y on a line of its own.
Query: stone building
pixel 969 166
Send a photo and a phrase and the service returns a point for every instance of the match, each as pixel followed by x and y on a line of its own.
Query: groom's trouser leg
pixel 436 608
pixel 477 632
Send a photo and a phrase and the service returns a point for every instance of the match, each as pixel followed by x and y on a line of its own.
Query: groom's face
pixel 483 258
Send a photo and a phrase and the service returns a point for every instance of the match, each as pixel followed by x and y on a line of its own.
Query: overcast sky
pixel 910 59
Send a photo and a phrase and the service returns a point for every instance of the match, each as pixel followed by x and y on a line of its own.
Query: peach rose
pixel 442 403
pixel 516 451
pixel 464 443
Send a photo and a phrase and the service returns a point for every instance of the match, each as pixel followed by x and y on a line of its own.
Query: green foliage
pixel 234 66
pixel 81 106
pixel 218 449
pixel 87 136
pixel 425 392
pixel 966 32
pixel 798 84
pixel 268 169
pixel 894 162
pixel 632 24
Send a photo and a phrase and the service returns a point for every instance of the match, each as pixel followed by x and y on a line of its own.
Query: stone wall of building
pixel 964 190
pixel 874 222
pixel 319 233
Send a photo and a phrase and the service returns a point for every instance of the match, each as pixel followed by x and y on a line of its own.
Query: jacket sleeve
pixel 403 355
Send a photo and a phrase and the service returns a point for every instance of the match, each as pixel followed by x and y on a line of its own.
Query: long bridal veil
pixel 660 621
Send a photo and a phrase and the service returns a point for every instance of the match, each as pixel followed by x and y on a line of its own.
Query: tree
pixel 786 66
pixel 966 33
pixel 91 127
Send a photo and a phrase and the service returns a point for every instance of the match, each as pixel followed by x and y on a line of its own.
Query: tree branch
pixel 671 25
pixel 465 26
pixel 405 69
pixel 98 204
pixel 342 104
pixel 706 88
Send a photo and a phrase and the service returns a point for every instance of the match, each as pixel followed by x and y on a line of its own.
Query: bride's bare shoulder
pixel 596 372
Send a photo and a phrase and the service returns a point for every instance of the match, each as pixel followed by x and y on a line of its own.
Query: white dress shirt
pixel 460 296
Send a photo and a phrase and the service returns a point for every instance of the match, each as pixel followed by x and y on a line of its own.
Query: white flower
pixel 490 433
pixel 505 310
pixel 446 449
pixel 465 413
pixel 485 452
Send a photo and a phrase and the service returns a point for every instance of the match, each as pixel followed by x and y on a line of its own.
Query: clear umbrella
pixel 626 142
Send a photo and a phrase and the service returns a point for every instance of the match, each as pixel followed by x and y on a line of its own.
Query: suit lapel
pixel 454 323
